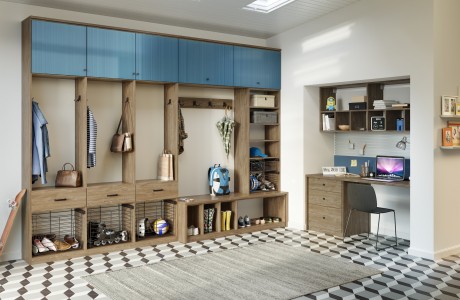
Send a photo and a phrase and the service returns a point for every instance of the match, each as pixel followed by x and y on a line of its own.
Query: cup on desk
pixel 364 170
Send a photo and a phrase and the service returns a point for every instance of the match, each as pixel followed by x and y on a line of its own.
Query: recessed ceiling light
pixel 266 6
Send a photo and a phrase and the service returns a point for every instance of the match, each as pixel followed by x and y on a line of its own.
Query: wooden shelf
pixel 264 124
pixel 455 117
pixel 263 108
pixel 450 147
pixel 263 141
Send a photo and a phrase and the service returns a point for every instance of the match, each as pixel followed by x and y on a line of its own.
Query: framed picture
pixel 457 108
pixel 448 105
pixel 455 126
pixel 447 138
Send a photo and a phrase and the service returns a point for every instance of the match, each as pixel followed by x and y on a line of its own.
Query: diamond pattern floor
pixel 404 276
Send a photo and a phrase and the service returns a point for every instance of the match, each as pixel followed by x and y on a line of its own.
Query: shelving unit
pixel 118 192
pixel 360 120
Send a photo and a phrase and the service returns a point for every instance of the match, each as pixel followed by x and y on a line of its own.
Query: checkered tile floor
pixel 403 277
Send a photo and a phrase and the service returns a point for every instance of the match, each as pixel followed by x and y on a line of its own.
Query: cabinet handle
pixel 112 195
pixel 324 218
pixel 158 190
pixel 134 73
pixel 207 79
pixel 324 198
pixel 85 70
pixel 258 82
pixel 324 184
pixel 60 199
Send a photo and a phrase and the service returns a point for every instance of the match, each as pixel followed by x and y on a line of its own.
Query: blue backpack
pixel 218 180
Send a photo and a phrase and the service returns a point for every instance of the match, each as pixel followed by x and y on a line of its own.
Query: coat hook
pixel 210 104
pixel 169 102
pixel 194 104
pixel 78 98
pixel 127 99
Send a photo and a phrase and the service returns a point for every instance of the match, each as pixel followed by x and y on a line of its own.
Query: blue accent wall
pixel 344 160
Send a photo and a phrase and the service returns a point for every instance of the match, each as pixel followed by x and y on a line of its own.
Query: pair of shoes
pixel 192 230
pixel 72 241
pixel 61 245
pixel 208 219
pixel 44 245
pixel 226 216
pixel 244 222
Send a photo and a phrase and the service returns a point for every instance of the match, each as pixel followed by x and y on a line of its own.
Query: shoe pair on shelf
pixel 192 230
pixel 45 244
pixel 244 222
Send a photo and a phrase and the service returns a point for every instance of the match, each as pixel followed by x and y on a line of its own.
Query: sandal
pixel 71 241
pixel 40 246
pixel 48 244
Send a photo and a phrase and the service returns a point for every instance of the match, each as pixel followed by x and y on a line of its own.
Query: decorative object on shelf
pixel 123 142
pixel 225 127
pixel 334 171
pixel 455 132
pixel 400 124
pixel 344 127
pixel 256 152
pixel 457 109
pixel 447 139
pixel 264 117
pixel 262 101
pixel 166 166
pixel 330 103
pixel 68 178
pixel 402 143
pixel 160 226
pixel 384 104
pixel 218 180
pixel 378 123
pixel 448 105
pixel 357 105
pixel 328 122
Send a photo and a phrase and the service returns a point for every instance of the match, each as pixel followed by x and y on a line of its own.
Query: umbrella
pixel 225 127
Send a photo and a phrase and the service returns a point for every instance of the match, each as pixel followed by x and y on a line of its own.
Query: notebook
pixel 388 168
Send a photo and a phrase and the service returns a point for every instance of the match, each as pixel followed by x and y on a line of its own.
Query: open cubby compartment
pixel 56 225
pixel 374 113
pixel 109 225
pixel 155 219
pixel 358 120
pixel 393 114
pixel 211 218
pixel 341 118
pixel 55 98
pixel 228 209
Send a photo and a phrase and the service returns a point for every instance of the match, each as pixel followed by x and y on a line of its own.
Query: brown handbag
pixel 123 142
pixel 68 178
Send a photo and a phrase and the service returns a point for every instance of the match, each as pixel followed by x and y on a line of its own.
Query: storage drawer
pixel 262 101
pixel 270 117
pixel 111 194
pixel 325 219
pixel 57 199
pixel 156 190
pixel 331 199
pixel 327 185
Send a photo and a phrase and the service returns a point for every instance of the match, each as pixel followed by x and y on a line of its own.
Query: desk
pixel 327 206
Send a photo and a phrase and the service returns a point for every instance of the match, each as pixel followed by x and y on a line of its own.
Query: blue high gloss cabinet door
pixel 111 53
pixel 257 68
pixel 157 58
pixel 58 48
pixel 205 63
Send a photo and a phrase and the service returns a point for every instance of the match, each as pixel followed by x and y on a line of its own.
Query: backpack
pixel 218 180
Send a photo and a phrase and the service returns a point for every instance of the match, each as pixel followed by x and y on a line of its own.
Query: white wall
pixel 368 40
pixel 11 15
pixel 447 163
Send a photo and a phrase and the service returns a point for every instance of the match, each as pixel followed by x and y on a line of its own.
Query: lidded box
pixel 262 100
pixel 267 117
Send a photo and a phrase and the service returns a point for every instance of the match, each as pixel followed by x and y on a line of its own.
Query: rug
pixel 262 271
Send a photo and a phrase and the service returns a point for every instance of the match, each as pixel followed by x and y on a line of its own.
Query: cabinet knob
pixel 84 70
pixel 324 184
pixel 324 218
pixel 112 195
pixel 324 198
pixel 207 79
pixel 258 82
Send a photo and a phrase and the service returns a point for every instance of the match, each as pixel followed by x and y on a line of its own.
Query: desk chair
pixel 361 197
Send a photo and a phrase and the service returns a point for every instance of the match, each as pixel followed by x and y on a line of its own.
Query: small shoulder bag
pixel 123 142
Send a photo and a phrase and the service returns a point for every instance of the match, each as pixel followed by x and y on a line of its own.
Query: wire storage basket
pixel 57 231
pixel 256 166
pixel 155 219
pixel 109 225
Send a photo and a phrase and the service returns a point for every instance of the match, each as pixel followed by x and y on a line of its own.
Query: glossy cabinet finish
pixel 156 58
pixel 58 48
pixel 257 68
pixel 111 53
pixel 205 63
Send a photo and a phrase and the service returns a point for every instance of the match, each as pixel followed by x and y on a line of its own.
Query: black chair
pixel 361 197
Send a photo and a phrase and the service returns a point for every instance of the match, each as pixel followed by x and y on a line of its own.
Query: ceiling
pixel 226 16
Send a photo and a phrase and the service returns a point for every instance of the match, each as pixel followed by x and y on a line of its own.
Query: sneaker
pixel 40 247
pixel 191 230
pixel 247 221
pixel 48 244
pixel 241 222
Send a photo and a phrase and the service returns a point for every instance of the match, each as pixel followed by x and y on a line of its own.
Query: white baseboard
pixel 447 252
pixel 10 255
pixel 295 225
pixel 421 253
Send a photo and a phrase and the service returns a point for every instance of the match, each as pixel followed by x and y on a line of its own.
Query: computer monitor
pixel 389 167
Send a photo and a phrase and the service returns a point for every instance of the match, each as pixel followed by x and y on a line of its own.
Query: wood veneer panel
pixel 241 140
pixel 128 158
pixel 81 86
pixel 171 127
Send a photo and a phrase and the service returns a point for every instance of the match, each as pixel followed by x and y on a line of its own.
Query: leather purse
pixel 123 142
pixel 68 178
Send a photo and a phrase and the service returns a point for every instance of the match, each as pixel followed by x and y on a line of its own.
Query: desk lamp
pixel 402 143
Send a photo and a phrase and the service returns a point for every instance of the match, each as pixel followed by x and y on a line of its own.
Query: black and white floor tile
pixel 404 276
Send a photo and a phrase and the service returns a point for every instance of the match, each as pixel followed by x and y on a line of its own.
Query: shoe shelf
pixel 196 213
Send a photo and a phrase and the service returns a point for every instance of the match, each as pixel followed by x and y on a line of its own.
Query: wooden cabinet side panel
pixel 81 85
pixel 241 140
pixel 129 125
pixel 171 127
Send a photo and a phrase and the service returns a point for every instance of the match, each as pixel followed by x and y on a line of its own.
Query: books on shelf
pixel 383 104
pixel 328 122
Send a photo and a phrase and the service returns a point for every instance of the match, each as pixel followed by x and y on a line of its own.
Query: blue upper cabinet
pixel 205 63
pixel 157 58
pixel 257 68
pixel 111 53
pixel 58 48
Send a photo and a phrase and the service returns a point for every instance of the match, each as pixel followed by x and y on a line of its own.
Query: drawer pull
pixel 60 199
pixel 324 218
pixel 324 184
pixel 324 198
pixel 158 190
pixel 112 195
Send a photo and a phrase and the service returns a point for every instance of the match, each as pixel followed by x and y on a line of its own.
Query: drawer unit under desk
pixel 325 219
pixel 324 184
pixel 57 199
pixel 156 190
pixel 110 194
pixel 319 197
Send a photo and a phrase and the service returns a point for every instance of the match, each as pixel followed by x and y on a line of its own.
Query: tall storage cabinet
pixel 56 54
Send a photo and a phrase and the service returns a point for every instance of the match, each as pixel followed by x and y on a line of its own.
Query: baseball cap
pixel 254 151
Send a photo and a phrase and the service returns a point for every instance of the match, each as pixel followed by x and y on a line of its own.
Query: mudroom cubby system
pixel 69 68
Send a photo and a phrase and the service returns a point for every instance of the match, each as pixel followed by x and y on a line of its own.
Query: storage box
pixel 357 105
pixel 262 101
pixel 359 99
pixel 267 117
